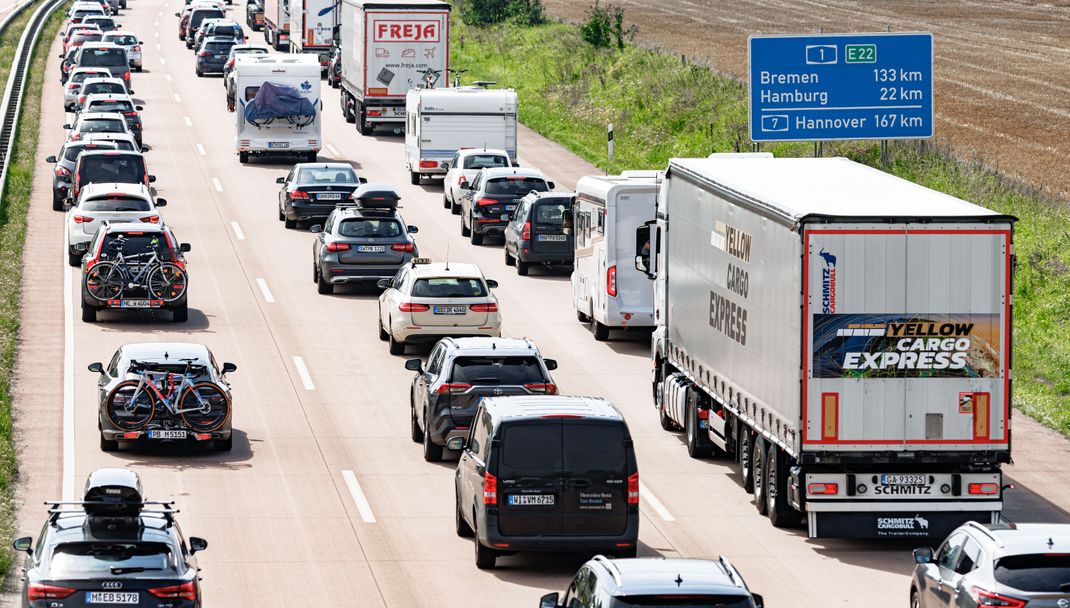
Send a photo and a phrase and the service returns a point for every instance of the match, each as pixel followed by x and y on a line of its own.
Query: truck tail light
pixel 413 307
pixel 824 489
pixel 375 112
pixel 428 164
pixel 526 234
pixel 490 489
pixel 337 247
pixel 492 307
pixel 452 389
pixel 611 281
pixel 633 489
pixel 984 488
pixel 37 591
pixel 983 597
pixel 547 388
pixel 408 247
pixel 486 202
pixel 185 591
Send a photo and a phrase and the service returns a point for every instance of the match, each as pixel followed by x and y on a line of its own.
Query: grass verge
pixel 662 106
pixel 14 202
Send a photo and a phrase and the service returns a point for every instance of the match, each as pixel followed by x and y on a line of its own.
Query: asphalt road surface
pixel 286 523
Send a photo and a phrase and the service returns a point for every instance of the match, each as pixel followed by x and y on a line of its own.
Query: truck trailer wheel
pixel 347 108
pixel 776 489
pixel 698 444
pixel 757 467
pixel 745 441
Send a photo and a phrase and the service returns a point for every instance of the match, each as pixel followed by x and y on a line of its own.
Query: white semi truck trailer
pixel 844 334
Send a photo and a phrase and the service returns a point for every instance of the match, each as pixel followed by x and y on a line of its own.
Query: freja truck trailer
pixel 843 333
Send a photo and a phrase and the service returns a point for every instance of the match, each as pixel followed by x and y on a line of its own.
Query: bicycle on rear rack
pixel 132 404
pixel 108 279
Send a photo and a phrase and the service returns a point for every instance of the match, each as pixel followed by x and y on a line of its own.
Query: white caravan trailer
pixel 607 290
pixel 290 135
pixel 439 122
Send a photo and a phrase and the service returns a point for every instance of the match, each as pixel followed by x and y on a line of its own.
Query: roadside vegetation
pixel 573 80
pixel 14 203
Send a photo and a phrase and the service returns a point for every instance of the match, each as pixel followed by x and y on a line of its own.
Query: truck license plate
pixel 167 434
pixel 904 480
pixel 278 144
pixel 524 500
pixel 128 598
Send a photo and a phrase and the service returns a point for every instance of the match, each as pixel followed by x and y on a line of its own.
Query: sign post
pixel 609 134
pixel 841 86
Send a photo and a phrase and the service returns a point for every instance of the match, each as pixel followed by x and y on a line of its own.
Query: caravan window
pixel 250 92
pixel 485 161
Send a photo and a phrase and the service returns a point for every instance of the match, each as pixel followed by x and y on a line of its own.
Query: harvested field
pixel 1002 89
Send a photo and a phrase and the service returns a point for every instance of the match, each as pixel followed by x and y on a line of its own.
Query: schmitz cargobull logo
pixel 385 30
pixel 902 526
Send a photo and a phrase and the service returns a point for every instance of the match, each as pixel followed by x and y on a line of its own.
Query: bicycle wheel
pixel 105 281
pixel 167 282
pixel 127 408
pixel 208 407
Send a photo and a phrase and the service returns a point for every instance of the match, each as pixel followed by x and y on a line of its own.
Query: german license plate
pixel 551 237
pixel 904 480
pixel 329 196
pixel 371 248
pixel 161 434
pixel 128 598
pixel 137 303
pixel 531 500
pixel 510 207
pixel 278 144
pixel 450 310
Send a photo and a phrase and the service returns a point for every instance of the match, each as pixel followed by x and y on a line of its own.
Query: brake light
pixel 136 49
pixel 63 172
pixel 204 54
pixel 458 387
pixel 403 247
pixel 337 247
pixel 82 219
pixel 526 234
pixel 76 136
pixel 411 307
pixel 126 75
pixel 547 388
pixel 486 202
pixel 73 86
pixel 299 194
pixel 490 489
pixel 611 281
pixel 152 219
pixel 37 591
pixel 81 99
pixel 824 488
pixel 984 597
pixel 375 112
pixel 230 63
pixel 428 164
pixel 129 113
pixel 185 591
pixel 633 489
pixel 984 488
pixel 492 307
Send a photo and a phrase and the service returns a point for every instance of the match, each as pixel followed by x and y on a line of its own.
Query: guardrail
pixel 12 100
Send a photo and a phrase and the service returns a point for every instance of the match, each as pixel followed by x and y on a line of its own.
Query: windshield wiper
pixel 132 569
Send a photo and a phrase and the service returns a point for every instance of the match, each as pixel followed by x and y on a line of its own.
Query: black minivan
pixel 536 233
pixel 547 473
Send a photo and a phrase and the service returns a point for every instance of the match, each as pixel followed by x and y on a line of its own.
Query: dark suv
pixel 660 582
pixel 536 232
pixel 105 55
pixel 109 166
pixel 493 195
pixel 212 54
pixel 547 473
pixel 462 371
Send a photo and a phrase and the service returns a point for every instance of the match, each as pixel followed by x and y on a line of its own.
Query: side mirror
pixel 412 229
pixel 184 248
pixel 551 364
pixel 315 228
pixel 161 202
pixel 455 443
pixel 229 367
pixel 759 601
pixel 384 283
pixel 197 544
pixel 97 367
pixel 516 163
pixel 414 365
pixel 446 166
pixel 67 126
pixel 550 185
pixel 549 600
pixel 152 179
pixel 23 545
pixel 923 555
pixel 50 159
pixel 139 108
pixel 642 250
pixel 362 180
pixel 141 42
pixel 463 185
pixel 178 14
pixel 280 180
pixel 491 283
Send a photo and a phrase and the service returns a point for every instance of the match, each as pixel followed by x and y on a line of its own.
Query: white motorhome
pixel 439 122
pixel 289 135
pixel 607 290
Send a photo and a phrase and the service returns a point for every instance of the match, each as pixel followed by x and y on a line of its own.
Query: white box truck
pixel 439 122
pixel 844 333
pixel 277 24
pixel 312 29
pixel 389 47
pixel 279 108
pixel 607 290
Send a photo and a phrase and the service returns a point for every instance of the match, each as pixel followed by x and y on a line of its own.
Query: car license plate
pixel 371 248
pixel 112 597
pixel 278 144
pixel 551 237
pixel 450 310
pixel 526 500
pixel 904 480
pixel 329 196
pixel 136 303
pixel 510 207
pixel 167 434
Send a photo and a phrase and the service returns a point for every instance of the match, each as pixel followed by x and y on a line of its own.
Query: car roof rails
pixel 730 570
pixel 611 567
pixel 985 531
pixel 114 495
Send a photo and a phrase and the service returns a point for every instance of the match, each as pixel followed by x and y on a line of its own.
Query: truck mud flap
pixel 901 524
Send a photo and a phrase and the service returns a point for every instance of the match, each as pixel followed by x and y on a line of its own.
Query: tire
pixel 139 68
pixel 289 224
pixel 282 216
pixel 485 556
pixel 415 431
pixel 758 474
pixel 432 451
pixel 414 178
pixel 666 422
pixel 509 260
pixel 582 316
pixel 460 525
pixel 127 409
pixel 445 202
pixel 915 601
pixel 223 445
pixel 57 203
pixel 324 287
pixel 363 125
pixel 455 208
pixel 628 553
pixel 347 110
pixel 465 230
pixel 601 332
pixel 200 74
pixel 697 445
pixel 89 314
pixel 396 347
pixel 243 157
pixel 745 441
pixel 474 237
pixel 311 156
pixel 108 445
pixel 780 513
pixel 522 267
pixel 180 314
pixel 382 333
pixel 215 401
pixel 74 260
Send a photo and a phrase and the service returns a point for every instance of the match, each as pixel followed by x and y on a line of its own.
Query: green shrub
pixel 604 27
pixel 489 12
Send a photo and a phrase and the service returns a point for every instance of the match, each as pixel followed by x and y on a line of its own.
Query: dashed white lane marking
pixel 157 34
pixel 363 507
pixel 654 503
pixel 157 47
pixel 168 77
pixel 217 184
pixel 156 24
pixel 189 123
pixel 201 151
pixel 177 98
pixel 302 372
pixel 237 231
pixel 270 299
pixel 333 151
pixel 163 61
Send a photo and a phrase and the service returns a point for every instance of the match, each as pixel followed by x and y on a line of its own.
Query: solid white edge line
pixel 177 98
pixel 270 299
pixel 237 231
pixel 164 61
pixel 334 151
pixel 363 507
pixel 654 503
pixel 302 371
pixel 186 119
pixel 200 150
pixel 217 184
pixel 68 378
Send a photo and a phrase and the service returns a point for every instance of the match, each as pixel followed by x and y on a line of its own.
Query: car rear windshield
pixel 227 30
pixel 82 12
pixel 516 185
pixel 102 125
pixel 593 446
pixel 532 447
pixel 108 105
pixel 116 203
pixel 72 152
pixel 82 76
pixel 93 559
pixel 683 601
pixel 326 175
pixel 552 214
pixel 121 39
pixel 135 243
pixel 86 37
pixel 97 88
pixel 485 161
pixel 511 371
pixel 370 228
pixel 118 168
pixel 103 22
pixel 199 16
pixel 449 287
pixel 218 46
pixel 1037 573
pixel 98 58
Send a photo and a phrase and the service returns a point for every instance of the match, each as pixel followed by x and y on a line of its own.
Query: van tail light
pixel 37 591
pixel 299 194
pixel 126 75
pixel 547 388
pixel 984 488
pixel 984 597
pixel 611 281
pixel 152 219
pixel 428 164
pixel 185 591
pixel 492 307
pixel 490 489
pixel 826 489
pixel 526 234
pixel 337 247
pixel 633 489
pixel 411 307
pixel 82 219
pixel 452 389
pixel 486 202
pixel 63 172
pixel 403 247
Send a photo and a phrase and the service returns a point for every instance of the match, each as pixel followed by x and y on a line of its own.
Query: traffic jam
pixel 769 335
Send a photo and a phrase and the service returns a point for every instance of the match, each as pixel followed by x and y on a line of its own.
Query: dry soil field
pixel 1002 85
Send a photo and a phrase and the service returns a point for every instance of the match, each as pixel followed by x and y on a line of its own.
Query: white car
pixel 77 78
pixel 426 301
pixel 96 122
pixel 98 203
pixel 122 141
pixel 95 85
pixel 130 42
pixel 463 167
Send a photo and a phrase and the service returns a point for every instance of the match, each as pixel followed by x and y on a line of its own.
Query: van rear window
pixel 532 447
pixel 593 446
pixel 550 214
pixel 98 58
pixel 511 371
pixel 1036 573
pixel 118 168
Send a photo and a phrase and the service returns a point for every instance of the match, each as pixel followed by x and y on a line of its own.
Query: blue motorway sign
pixel 841 86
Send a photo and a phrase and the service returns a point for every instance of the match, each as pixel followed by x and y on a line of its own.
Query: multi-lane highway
pixel 324 499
